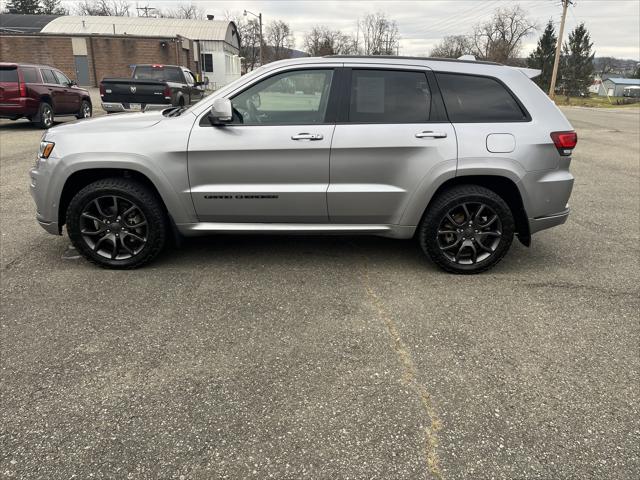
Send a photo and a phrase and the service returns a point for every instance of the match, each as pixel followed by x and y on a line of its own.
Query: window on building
pixel 478 99
pixel 296 98
pixel 207 62
pixel 389 96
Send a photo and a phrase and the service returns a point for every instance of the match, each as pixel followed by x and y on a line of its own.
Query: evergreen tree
pixel 52 7
pixel 31 7
pixel 542 57
pixel 577 62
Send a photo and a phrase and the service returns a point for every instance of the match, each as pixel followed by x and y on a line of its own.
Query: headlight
pixel 45 149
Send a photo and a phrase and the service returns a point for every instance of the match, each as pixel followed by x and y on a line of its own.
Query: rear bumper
pixel 542 223
pixel 21 107
pixel 125 107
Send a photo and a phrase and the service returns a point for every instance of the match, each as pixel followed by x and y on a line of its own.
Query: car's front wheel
pixel 467 229
pixel 117 223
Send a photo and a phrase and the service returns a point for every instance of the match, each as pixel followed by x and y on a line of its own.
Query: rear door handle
pixel 430 134
pixel 307 136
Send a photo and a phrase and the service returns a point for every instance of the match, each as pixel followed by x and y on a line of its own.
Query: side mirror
pixel 73 83
pixel 221 112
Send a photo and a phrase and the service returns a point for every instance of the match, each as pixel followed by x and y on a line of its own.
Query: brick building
pixel 89 49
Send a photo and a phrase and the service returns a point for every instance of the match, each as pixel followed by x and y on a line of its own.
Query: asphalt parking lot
pixel 301 357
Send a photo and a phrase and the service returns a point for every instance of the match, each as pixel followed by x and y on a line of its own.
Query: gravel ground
pixel 286 357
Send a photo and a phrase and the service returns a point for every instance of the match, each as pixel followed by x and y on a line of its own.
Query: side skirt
pixel 203 228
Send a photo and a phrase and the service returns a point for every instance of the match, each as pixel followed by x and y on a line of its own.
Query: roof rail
pixel 401 57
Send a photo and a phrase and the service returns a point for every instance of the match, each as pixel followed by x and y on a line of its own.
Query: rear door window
pixel 389 96
pixel 474 99
pixel 48 76
pixel 8 75
pixel 30 75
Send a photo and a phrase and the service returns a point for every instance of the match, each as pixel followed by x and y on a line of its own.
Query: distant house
pixel 614 87
pixel 89 48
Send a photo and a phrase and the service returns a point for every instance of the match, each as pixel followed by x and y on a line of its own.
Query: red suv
pixel 38 93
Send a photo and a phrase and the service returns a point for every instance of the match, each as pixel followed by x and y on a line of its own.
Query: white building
pixel 216 43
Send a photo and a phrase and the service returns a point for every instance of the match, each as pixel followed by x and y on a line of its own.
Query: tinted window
pixel 62 79
pixel 8 75
pixel 387 96
pixel 160 74
pixel 478 99
pixel 299 97
pixel 189 78
pixel 30 75
pixel 48 76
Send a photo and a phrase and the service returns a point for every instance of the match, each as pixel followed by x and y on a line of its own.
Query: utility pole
pixel 259 17
pixel 556 62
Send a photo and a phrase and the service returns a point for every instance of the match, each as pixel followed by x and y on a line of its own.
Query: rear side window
pixel 8 75
pixel 473 99
pixel 389 96
pixel 48 76
pixel 30 75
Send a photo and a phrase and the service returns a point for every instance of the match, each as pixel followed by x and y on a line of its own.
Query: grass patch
pixel 595 101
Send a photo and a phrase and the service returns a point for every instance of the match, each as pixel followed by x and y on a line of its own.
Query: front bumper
pixel 126 107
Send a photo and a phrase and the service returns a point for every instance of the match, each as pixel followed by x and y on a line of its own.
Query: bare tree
pixel 249 31
pixel 323 41
pixel 380 35
pixel 115 8
pixel 279 39
pixel 453 46
pixel 500 39
pixel 184 10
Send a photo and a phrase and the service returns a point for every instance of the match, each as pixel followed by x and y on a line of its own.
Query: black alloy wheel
pixel 117 223
pixel 467 229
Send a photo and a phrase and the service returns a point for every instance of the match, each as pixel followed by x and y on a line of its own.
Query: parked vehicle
pixel 40 93
pixel 151 87
pixel 462 154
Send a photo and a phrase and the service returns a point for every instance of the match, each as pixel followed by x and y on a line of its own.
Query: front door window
pixel 290 98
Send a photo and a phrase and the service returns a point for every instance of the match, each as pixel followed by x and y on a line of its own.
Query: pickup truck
pixel 151 87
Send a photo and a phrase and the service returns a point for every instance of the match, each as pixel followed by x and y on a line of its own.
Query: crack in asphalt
pixel 410 378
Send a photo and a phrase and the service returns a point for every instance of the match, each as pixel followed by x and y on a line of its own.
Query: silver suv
pixel 461 154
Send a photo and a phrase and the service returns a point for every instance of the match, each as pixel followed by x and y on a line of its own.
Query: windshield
pixel 158 73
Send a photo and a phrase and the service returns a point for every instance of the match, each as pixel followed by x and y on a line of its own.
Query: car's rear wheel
pixel 467 229
pixel 44 119
pixel 117 223
pixel 85 110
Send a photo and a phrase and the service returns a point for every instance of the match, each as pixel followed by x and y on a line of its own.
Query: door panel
pixel 82 69
pixel 376 168
pixel 244 173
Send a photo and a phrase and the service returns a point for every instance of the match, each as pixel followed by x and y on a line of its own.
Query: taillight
pixel 22 87
pixel 167 93
pixel 102 90
pixel 565 142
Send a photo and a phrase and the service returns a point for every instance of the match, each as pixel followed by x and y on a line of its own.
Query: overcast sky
pixel 613 24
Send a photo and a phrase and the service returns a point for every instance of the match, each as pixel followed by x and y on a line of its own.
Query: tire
pixel 134 225
pixel 85 110
pixel 459 232
pixel 44 118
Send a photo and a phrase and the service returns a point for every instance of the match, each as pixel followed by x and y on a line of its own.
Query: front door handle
pixel 307 136
pixel 430 134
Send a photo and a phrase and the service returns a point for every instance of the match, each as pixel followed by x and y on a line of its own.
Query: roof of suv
pixel 16 65
pixel 399 57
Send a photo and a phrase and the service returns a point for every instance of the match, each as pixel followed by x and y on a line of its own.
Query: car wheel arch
pixel 83 177
pixel 503 186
